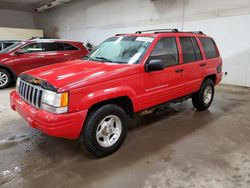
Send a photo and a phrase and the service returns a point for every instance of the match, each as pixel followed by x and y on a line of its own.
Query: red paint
pixel 89 83
pixel 66 125
pixel 17 63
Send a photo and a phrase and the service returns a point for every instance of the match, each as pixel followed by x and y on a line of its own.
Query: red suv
pixel 23 56
pixel 92 99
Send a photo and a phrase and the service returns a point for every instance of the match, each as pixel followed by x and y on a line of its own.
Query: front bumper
pixel 67 125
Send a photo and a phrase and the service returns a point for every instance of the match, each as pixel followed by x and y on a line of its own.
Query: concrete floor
pixel 175 147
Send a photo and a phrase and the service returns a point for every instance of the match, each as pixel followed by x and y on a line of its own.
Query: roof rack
pixel 156 30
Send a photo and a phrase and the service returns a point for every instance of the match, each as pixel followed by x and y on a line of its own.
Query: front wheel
pixel 104 130
pixel 5 78
pixel 204 97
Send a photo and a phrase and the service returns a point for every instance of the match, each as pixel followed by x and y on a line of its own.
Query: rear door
pixel 165 85
pixel 71 52
pixel 211 55
pixel 193 64
pixel 54 52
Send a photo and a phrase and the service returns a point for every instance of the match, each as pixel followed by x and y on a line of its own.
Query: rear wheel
pixel 5 78
pixel 105 130
pixel 204 97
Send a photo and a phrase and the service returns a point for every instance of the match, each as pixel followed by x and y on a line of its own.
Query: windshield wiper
pixel 86 57
pixel 105 59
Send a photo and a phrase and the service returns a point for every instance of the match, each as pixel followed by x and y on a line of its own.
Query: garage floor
pixel 175 147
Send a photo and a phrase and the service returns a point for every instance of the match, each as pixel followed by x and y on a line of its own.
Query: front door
pixel 32 56
pixel 165 85
pixel 36 55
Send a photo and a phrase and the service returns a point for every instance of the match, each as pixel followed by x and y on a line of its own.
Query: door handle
pixel 203 64
pixel 40 56
pixel 179 70
pixel 66 54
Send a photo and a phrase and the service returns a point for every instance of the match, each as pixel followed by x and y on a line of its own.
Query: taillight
pixel 219 68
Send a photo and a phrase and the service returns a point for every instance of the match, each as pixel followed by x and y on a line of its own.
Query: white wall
pixel 16 19
pixel 7 33
pixel 94 20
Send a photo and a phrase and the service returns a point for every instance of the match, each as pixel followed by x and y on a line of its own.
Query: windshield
pixel 11 47
pixel 123 49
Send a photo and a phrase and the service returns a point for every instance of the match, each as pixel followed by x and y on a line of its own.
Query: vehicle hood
pixel 79 73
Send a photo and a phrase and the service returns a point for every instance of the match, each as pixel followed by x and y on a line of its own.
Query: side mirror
pixel 20 51
pixel 154 65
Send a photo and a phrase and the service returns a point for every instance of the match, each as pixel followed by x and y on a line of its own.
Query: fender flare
pixel 14 76
pixel 108 94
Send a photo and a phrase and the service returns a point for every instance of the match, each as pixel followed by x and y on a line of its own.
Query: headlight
pixel 56 103
pixel 17 83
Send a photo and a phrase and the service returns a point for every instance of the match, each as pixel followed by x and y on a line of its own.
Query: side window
pixel 188 52
pixel 34 47
pixel 5 45
pixel 209 47
pixel 166 50
pixel 196 49
pixel 53 46
pixel 69 47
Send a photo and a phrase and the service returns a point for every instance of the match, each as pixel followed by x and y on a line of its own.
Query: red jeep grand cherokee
pixel 31 54
pixel 92 99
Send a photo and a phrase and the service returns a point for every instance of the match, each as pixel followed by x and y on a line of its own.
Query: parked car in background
pixel 26 55
pixel 92 99
pixel 6 43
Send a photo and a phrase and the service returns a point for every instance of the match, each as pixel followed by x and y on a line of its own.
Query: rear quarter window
pixel 209 47
pixel 69 47
pixel 53 46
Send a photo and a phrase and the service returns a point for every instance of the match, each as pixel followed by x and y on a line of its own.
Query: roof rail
pixel 119 34
pixel 197 32
pixel 155 30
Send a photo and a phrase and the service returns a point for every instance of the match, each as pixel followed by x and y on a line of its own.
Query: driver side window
pixel 34 47
pixel 166 50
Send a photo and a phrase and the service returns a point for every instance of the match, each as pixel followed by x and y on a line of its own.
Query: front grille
pixel 30 93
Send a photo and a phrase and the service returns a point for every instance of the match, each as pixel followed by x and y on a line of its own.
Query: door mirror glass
pixel 20 51
pixel 154 65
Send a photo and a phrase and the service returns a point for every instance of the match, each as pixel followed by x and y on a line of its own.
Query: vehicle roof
pixel 10 40
pixel 52 40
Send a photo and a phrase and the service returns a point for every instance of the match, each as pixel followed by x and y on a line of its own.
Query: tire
pixel 204 97
pixel 5 78
pixel 105 130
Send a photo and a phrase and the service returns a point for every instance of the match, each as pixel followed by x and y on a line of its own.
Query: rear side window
pixel 209 47
pixel 55 46
pixel 188 51
pixel 166 50
pixel 69 47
